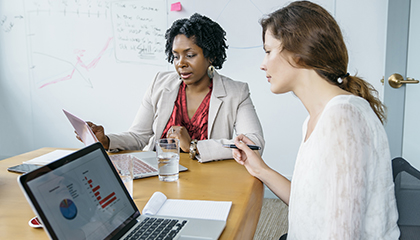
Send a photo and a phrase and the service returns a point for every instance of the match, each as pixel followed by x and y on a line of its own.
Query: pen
pixel 252 147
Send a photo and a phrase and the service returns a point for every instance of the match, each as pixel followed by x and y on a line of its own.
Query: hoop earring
pixel 210 71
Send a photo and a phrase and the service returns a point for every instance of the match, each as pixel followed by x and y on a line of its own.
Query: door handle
pixel 396 80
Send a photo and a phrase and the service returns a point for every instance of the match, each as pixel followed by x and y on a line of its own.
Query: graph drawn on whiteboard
pixel 139 29
pixel 72 42
pixel 67 42
pixel 78 67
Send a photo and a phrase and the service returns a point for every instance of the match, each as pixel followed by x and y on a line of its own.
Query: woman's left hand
pixel 181 133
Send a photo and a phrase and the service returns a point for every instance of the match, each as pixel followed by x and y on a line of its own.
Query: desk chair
pixel 407 193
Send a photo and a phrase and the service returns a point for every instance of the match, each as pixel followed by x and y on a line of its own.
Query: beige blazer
pixel 231 113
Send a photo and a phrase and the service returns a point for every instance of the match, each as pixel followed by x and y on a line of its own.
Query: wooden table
pixel 219 181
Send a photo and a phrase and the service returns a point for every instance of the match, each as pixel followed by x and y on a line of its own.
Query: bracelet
pixel 193 149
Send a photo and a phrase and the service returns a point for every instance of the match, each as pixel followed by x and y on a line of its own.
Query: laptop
pixel 81 196
pixel 145 163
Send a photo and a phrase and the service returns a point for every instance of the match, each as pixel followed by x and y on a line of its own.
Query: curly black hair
pixel 205 33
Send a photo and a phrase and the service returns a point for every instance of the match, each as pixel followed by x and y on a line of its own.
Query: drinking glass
pixel 167 152
pixel 124 166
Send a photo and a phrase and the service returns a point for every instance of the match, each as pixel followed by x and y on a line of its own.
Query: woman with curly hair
pixel 342 186
pixel 195 104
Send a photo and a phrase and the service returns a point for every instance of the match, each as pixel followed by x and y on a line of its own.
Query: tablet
pixel 23 168
pixel 82 129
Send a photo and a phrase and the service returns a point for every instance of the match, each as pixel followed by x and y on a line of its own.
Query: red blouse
pixel 197 125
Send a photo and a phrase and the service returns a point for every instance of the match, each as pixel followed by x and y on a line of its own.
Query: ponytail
pixel 361 88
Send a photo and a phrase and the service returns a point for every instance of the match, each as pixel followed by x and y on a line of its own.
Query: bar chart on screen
pixel 96 192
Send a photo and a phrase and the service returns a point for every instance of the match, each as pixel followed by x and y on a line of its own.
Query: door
pixel 402 57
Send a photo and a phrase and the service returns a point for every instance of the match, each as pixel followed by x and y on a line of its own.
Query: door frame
pixel 398 21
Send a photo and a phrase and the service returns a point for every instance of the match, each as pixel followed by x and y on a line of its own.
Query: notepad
pixel 159 205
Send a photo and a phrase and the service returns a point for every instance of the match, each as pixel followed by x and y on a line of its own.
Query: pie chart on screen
pixel 68 209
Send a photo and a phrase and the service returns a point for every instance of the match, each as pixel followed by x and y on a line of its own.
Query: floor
pixel 273 220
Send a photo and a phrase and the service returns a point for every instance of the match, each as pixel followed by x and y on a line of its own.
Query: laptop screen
pixel 80 196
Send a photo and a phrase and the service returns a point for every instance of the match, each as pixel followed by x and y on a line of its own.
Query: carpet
pixel 273 220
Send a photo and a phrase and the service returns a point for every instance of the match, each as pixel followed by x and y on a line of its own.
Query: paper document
pixel 159 205
pixel 49 157
pixel 82 129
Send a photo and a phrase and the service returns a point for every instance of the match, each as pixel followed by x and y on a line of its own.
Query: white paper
pixel 49 157
pixel 214 210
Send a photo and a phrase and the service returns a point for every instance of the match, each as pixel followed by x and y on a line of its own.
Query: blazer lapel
pixel 216 101
pixel 169 95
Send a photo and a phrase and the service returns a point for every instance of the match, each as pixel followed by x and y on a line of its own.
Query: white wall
pixel 31 118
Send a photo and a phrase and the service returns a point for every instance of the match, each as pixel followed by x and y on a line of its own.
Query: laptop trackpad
pixel 202 229
pixel 194 237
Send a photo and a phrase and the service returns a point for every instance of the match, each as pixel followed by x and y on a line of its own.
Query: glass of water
pixel 124 165
pixel 167 152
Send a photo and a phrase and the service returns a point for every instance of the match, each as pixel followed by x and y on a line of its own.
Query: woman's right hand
pixel 256 166
pixel 251 159
pixel 99 132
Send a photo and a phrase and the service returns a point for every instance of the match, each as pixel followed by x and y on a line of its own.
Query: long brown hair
pixel 311 34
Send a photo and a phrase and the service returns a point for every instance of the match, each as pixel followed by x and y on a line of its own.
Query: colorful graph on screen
pixel 103 201
pixel 68 209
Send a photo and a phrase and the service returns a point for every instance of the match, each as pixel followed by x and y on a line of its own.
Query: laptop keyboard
pixel 140 167
pixel 157 228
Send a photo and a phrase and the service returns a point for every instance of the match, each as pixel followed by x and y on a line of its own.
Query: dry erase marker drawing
pixel 67 41
pixel 79 63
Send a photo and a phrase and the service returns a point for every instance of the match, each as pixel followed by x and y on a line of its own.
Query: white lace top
pixel 342 185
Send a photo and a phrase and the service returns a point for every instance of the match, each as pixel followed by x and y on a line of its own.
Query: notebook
pixel 81 196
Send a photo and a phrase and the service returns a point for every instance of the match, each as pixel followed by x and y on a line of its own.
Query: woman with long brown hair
pixel 342 185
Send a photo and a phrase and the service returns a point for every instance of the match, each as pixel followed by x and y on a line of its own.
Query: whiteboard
pixel 96 58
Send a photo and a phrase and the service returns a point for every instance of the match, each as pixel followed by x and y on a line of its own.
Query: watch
pixel 193 149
